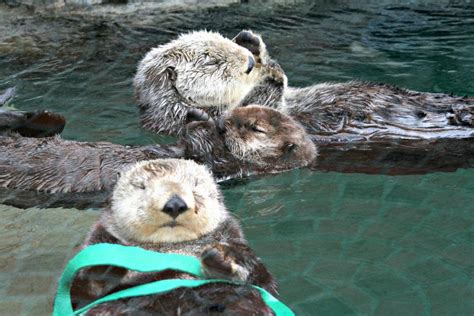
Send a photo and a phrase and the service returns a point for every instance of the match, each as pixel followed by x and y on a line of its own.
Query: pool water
pixel 339 244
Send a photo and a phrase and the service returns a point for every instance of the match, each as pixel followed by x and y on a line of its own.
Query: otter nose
pixel 250 65
pixel 175 206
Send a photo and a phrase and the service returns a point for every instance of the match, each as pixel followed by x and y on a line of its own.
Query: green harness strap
pixel 142 261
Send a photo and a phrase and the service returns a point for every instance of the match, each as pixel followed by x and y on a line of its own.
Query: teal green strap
pixel 143 261
pixel 164 286
pixel 120 256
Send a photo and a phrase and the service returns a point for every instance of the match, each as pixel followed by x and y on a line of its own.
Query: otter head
pixel 267 138
pixel 203 68
pixel 165 200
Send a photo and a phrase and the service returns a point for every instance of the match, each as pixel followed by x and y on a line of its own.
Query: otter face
pixel 205 68
pixel 268 138
pixel 166 200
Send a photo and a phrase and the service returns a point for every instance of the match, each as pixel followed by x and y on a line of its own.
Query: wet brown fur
pixel 343 111
pixel 364 111
pixel 53 164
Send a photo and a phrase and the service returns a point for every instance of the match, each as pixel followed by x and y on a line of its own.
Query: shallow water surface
pixel 340 244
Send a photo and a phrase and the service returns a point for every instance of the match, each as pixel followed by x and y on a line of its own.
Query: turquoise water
pixel 339 244
pixel 347 244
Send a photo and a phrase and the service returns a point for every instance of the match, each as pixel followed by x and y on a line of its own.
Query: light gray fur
pixel 197 70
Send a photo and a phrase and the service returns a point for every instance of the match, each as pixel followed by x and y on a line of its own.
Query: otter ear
pixel 171 72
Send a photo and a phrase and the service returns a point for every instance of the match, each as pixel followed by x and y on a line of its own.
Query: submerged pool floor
pixel 339 244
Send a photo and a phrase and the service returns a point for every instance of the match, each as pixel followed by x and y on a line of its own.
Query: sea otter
pixel 245 141
pixel 355 111
pixel 174 206
pixel 329 112
pixel 198 72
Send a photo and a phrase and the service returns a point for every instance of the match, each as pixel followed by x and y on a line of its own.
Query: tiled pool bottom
pixel 346 244
pixel 35 245
pixel 339 244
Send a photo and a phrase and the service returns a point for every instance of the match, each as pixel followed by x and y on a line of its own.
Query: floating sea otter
pixel 246 141
pixel 361 111
pixel 199 69
pixel 174 206
pixel 169 76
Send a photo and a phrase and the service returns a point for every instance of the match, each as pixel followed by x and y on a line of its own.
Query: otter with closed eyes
pixel 197 75
pixel 360 111
pixel 245 141
pixel 204 71
pixel 174 206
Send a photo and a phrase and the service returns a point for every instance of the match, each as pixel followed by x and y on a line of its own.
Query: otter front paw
pixel 219 263
pixel 253 43
pixel 275 72
pixel 199 141
pixel 196 115
pixel 248 40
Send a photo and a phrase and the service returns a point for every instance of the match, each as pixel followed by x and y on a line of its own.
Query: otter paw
pixel 196 115
pixel 248 40
pixel 274 71
pixel 218 263
pixel 200 129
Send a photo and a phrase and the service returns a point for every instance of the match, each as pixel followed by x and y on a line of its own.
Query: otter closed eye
pixel 139 185
pixel 290 147
pixel 210 62
pixel 257 129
